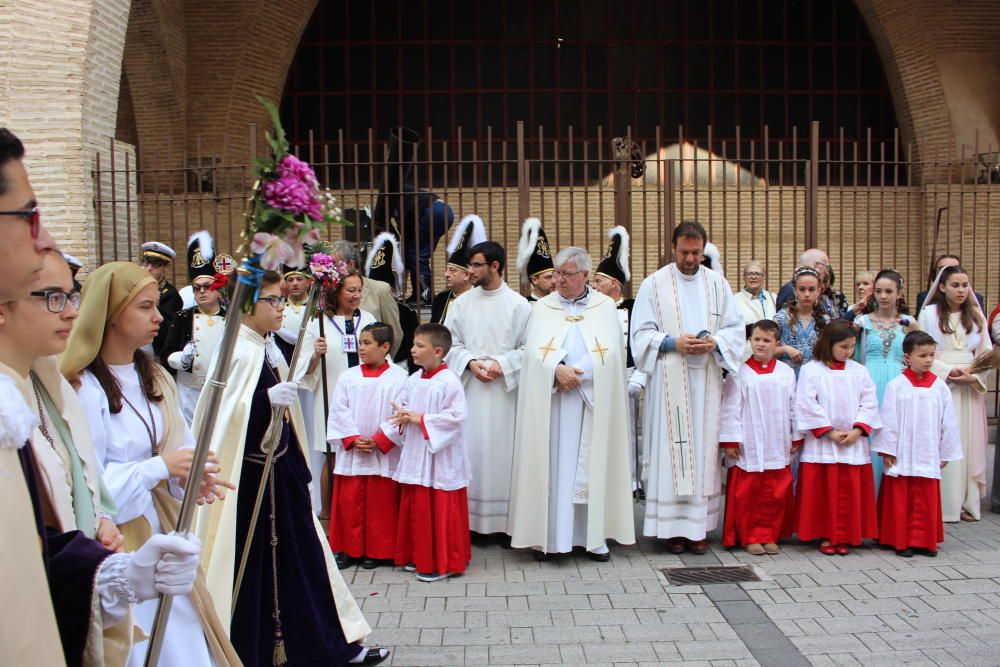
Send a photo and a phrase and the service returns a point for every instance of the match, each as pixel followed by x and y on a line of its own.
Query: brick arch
pixel 919 40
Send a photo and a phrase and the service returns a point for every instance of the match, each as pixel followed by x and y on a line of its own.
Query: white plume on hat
pixel 714 258
pixel 526 245
pixel 205 244
pixel 398 268
pixel 623 253
pixel 478 232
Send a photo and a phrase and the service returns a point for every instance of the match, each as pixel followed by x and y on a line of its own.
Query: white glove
pixel 634 389
pixel 164 564
pixel 187 355
pixel 283 394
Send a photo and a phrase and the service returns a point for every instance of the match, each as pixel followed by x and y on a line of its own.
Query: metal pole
pixel 812 188
pixel 272 438
pixel 326 416
pixel 213 388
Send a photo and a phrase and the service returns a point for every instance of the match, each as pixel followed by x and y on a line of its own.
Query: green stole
pixel 83 499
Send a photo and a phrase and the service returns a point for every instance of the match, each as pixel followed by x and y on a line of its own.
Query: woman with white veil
pixel 952 316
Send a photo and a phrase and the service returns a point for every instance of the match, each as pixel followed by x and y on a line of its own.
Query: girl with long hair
pixel 952 316
pixel 802 319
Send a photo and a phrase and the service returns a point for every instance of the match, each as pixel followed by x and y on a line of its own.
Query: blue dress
pixel 882 355
pixel 800 335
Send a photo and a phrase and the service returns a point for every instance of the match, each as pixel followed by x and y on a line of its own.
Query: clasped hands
pixel 961 376
pixel 688 344
pixel 845 437
pixel 401 416
pixel 485 370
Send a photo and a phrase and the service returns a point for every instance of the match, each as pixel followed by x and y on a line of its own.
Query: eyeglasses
pixel 476 265
pixel 753 274
pixel 566 274
pixel 203 287
pixel 31 216
pixel 56 299
pixel 277 302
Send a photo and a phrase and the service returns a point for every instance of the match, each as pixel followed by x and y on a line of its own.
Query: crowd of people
pixel 362 437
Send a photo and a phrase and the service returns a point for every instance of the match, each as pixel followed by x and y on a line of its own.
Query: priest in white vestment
pixel 487 326
pixel 571 432
pixel 686 329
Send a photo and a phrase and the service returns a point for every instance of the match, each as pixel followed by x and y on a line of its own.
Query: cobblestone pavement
pixel 868 608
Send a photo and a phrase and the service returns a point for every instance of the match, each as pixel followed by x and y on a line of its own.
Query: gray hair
pixel 574 254
pixel 346 251
pixel 813 256
pixel 754 262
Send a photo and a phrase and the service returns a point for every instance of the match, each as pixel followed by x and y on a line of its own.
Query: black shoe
pixel 930 553
pixel 344 561
pixel 600 558
pixel 503 541
pixel 905 553
pixel 541 556
pixel 369 564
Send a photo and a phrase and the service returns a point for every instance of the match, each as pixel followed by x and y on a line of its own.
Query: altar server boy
pixel 919 437
pixel 758 437
pixel 428 424
pixel 365 497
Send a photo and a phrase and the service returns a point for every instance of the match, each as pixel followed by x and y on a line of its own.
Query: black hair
pixel 893 275
pixel 833 333
pixel 916 339
pixel 934 269
pixel 437 334
pixel 491 252
pixel 769 326
pixel 691 229
pixel 267 279
pixel 11 148
pixel 381 332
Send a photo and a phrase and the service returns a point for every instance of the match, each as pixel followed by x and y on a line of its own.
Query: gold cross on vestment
pixel 599 350
pixel 549 347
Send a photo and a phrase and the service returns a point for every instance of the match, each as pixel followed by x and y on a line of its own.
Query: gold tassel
pixel 280 657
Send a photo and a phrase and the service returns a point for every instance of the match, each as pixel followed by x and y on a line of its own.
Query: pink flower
pixel 273 251
pixel 292 195
pixel 291 166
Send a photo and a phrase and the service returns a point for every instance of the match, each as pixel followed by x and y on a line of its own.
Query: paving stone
pixel 611 652
pixel 656 633
pixel 517 619
pixel 524 655
pixel 829 644
pixel 475 636
pixel 406 656
pixel 604 617
pixel 712 650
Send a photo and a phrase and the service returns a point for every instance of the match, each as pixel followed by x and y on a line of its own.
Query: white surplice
pixel 432 453
pixel 963 483
pixel 684 471
pixel 757 413
pixel 489 325
pixel 839 398
pixel 360 405
pixel 336 364
pixel 122 446
pixel 918 428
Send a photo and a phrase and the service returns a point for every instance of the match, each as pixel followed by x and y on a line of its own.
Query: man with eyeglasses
pixel 195 332
pixel 52 579
pixel 573 480
pixel 157 258
pixel 487 326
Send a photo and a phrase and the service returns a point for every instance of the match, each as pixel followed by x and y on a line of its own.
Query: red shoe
pixel 843 549
pixel 828 550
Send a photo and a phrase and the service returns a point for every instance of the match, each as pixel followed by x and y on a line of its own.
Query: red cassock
pixel 909 512
pixel 363 516
pixel 758 507
pixel 433 529
pixel 836 501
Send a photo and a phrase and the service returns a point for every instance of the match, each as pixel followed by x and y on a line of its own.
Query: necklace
pixel 42 424
pixel 886 332
pixel 154 448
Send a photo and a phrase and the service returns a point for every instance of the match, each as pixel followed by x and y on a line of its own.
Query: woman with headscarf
pixel 952 316
pixel 143 443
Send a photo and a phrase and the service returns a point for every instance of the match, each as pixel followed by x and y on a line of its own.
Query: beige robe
pixel 604 478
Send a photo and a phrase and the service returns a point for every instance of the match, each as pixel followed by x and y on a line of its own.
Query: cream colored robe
pixel 604 476
pixel 217 522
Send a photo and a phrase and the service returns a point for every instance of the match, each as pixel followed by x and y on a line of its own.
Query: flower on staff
pixel 271 251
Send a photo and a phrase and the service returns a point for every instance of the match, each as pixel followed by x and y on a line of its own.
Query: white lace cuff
pixel 114 590
pixel 17 421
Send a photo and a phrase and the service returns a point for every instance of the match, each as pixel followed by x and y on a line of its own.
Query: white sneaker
pixel 434 576
pixel 410 567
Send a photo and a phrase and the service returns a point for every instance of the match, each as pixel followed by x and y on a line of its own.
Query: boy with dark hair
pixel 919 436
pixel 758 437
pixel 428 424
pixel 365 497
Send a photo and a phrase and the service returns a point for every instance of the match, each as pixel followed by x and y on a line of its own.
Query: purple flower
pixel 292 195
pixel 292 167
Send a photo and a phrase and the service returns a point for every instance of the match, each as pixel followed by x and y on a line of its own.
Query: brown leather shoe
pixel 697 547
pixel 675 545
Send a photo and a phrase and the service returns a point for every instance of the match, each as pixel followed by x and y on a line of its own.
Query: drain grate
pixel 697 576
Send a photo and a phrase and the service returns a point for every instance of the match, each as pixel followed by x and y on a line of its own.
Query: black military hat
pixel 614 263
pixel 469 232
pixel 533 253
pixel 385 262
pixel 200 253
